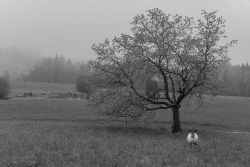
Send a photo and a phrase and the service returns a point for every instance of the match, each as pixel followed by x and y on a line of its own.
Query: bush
pixel 83 85
pixel 4 88
pixel 152 89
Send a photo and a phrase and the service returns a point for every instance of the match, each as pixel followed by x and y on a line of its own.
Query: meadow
pixel 19 87
pixel 65 133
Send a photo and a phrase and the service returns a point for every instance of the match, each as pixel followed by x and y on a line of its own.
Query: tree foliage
pixel 184 54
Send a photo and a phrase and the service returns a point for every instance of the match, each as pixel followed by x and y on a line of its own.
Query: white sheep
pixel 192 137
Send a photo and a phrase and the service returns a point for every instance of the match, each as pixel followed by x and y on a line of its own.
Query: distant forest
pixel 235 80
pixel 56 69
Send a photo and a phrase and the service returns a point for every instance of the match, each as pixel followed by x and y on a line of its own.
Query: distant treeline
pixel 56 69
pixel 236 80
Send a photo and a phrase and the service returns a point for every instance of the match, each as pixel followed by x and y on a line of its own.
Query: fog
pixel 18 60
pixel 69 28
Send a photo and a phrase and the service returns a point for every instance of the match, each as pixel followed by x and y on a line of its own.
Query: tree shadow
pixel 136 131
pixel 128 130
pixel 151 128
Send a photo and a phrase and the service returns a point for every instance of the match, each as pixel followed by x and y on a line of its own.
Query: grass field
pixel 69 133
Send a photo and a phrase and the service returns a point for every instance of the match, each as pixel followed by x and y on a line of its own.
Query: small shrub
pixel 83 85
pixel 4 88
pixel 152 89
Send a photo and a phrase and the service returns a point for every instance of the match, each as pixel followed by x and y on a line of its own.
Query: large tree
pixel 184 55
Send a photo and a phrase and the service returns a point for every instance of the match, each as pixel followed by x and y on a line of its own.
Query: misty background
pixel 50 40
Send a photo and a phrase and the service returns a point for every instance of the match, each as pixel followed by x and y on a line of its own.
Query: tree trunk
pixel 176 127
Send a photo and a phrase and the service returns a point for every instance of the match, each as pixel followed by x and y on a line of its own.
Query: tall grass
pixel 65 144
pixel 68 133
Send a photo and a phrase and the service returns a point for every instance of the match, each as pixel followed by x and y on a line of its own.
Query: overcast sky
pixel 70 27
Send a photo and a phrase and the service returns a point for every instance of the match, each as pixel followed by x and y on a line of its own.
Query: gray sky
pixel 70 27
